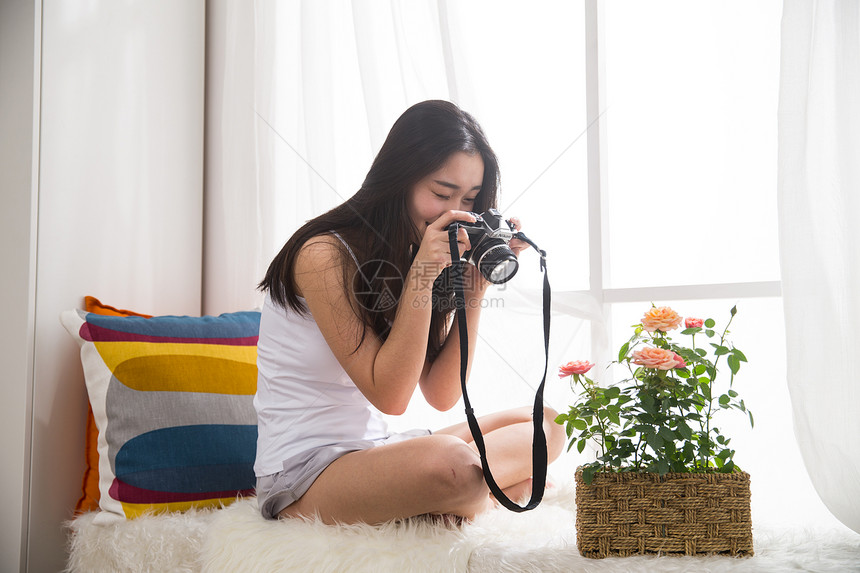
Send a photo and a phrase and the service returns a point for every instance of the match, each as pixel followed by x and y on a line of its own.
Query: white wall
pixel 120 167
pixel 18 109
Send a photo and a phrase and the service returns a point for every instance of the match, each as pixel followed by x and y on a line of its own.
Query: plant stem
pixel 602 440
pixel 602 437
pixel 637 461
pixel 703 426
pixel 711 401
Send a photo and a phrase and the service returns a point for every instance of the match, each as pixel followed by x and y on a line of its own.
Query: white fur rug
pixel 237 539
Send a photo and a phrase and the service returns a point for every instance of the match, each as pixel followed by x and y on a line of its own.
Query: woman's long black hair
pixel 375 221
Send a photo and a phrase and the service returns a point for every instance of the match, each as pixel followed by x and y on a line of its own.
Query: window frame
pixel 598 198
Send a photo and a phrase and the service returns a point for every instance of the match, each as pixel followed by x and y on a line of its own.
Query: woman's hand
pixel 434 253
pixel 516 245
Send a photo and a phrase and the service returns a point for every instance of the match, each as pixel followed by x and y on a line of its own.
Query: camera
pixel 489 236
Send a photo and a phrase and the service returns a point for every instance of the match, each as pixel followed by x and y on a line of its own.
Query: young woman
pixel 350 327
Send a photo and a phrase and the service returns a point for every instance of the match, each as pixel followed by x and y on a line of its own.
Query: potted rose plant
pixel 664 480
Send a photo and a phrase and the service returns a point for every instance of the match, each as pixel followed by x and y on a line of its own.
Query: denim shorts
pixel 279 490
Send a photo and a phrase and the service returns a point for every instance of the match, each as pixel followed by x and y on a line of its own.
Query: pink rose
pixel 693 322
pixel 660 318
pixel 658 358
pixel 575 367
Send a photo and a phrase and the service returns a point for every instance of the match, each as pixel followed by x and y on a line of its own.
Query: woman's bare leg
pixel 508 438
pixel 431 474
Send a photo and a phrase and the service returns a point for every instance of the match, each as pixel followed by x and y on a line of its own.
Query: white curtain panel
pixel 332 77
pixel 233 258
pixel 819 210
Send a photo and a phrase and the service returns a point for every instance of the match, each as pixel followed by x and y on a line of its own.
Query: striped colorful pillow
pixel 172 398
pixel 89 500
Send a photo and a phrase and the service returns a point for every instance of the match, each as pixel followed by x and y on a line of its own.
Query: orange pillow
pixel 90 496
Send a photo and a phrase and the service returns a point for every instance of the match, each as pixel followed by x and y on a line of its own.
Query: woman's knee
pixel 455 470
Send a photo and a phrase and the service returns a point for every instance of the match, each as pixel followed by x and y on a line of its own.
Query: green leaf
pixel 579 424
pixel 699 369
pixel 701 351
pixel 588 474
pixel 561 419
pixel 734 363
pixel 724 400
pixel 739 354
pixel 734 310
pixel 580 445
pixel 710 333
pixel 614 418
pixel 623 352
pixel 647 402
pixel 685 430
pixel 691 330
pixel 689 452
pixel 752 422
pixel 719 350
pixel 612 392
pixel 733 394
pixel 666 434
pixel 655 441
pixel 710 323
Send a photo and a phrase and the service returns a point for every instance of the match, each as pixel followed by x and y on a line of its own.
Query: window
pixel 686 169
pixel 691 99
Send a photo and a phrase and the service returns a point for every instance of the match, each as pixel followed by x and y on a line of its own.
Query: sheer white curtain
pixel 233 238
pixel 819 208
pixel 296 137
pixel 331 79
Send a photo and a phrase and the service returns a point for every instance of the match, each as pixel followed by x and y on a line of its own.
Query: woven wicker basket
pixel 622 514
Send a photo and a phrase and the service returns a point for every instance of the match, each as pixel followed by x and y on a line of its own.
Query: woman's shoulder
pixel 320 263
pixel 320 248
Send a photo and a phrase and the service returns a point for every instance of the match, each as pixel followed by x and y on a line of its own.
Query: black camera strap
pixel 539 448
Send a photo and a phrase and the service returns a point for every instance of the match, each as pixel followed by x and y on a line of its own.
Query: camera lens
pixel 496 261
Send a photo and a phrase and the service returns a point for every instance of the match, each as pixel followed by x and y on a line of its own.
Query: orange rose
pixel 575 367
pixel 658 358
pixel 660 318
pixel 693 322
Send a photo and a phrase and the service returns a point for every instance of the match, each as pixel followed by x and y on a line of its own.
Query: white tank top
pixel 304 397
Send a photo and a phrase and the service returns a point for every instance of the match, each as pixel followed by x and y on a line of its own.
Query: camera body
pixel 489 236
